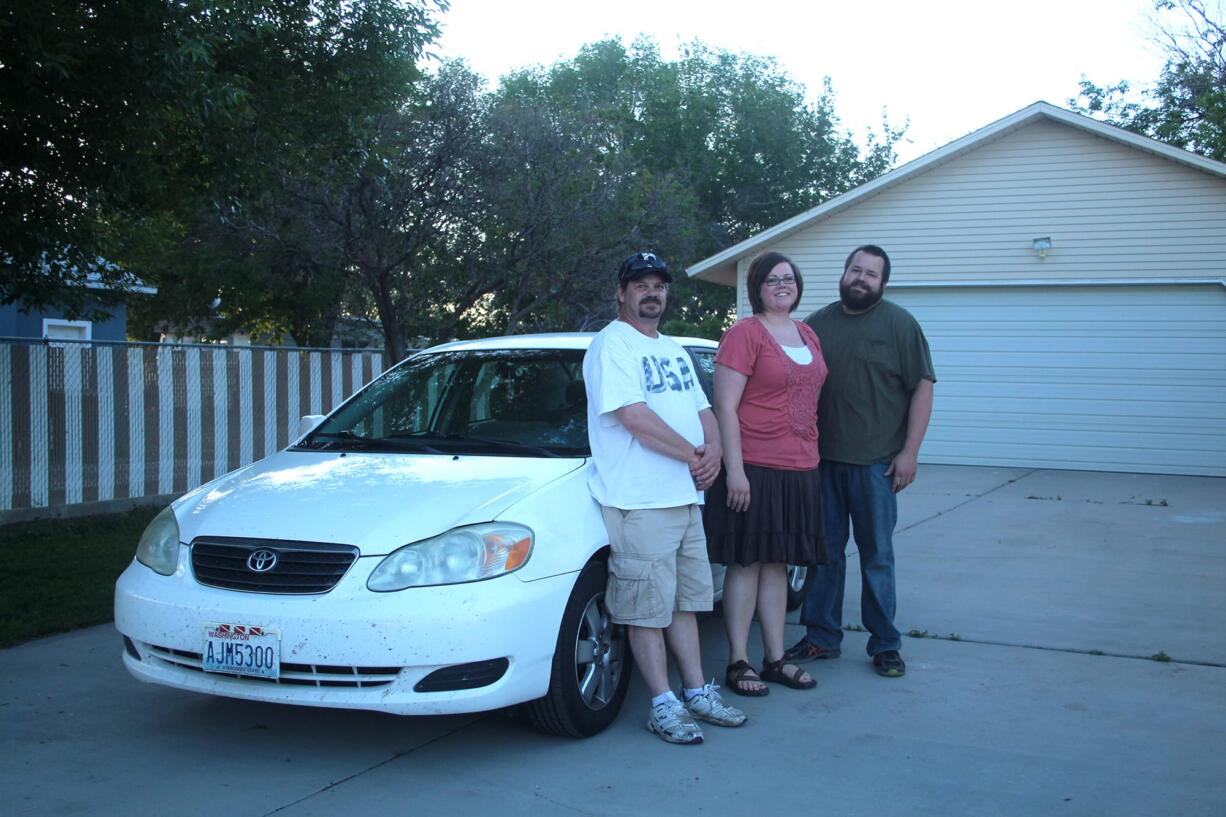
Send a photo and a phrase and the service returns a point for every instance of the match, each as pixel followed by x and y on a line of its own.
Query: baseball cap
pixel 640 264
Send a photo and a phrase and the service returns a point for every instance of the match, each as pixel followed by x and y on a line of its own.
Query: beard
pixel 859 299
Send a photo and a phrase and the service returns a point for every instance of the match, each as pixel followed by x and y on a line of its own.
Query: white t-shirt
pixel 622 367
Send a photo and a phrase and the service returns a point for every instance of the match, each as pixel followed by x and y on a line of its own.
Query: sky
pixel 950 67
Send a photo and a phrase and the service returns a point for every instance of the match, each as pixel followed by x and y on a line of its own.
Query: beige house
pixel 1071 279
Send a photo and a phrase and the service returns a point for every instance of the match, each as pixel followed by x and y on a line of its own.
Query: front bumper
pixel 350 648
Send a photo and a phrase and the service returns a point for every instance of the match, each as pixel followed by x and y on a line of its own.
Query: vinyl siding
pixel 1086 359
pixel 1113 212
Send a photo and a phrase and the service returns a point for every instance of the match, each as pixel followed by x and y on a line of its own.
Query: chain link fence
pixel 92 421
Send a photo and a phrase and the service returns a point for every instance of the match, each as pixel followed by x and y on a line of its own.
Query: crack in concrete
pixel 568 806
pixel 1072 650
pixel 967 502
pixel 395 756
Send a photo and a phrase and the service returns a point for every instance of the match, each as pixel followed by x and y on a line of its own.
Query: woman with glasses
pixel 764 511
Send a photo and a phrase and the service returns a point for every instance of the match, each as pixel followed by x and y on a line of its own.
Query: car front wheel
pixel 591 665
pixel 799 577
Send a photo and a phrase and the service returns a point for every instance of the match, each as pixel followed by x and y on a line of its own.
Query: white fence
pixel 94 421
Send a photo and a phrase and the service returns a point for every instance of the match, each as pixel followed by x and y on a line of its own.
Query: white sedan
pixel 430 547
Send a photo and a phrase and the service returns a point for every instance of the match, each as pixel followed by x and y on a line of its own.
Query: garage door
pixel 1106 378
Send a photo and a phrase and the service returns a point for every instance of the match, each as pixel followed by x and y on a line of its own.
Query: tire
pixel 799 578
pixel 591 665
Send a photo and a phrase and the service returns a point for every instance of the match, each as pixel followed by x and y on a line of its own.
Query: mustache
pixel 650 299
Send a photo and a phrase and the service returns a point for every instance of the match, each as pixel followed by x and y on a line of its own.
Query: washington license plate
pixel 240 649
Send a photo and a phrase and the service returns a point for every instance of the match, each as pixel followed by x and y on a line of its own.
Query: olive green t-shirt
pixel 876 360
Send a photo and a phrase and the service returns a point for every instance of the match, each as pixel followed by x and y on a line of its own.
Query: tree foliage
pixel 1186 107
pixel 464 212
pixel 686 156
pixel 120 116
pixel 361 230
pixel 275 166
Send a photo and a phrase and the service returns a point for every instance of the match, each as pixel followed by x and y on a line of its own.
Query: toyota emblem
pixel 262 561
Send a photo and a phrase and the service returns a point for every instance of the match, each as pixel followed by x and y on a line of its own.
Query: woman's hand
pixel 738 491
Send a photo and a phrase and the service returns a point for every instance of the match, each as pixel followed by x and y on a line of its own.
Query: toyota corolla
pixel 430 547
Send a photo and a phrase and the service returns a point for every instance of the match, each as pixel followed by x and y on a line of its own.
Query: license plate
pixel 240 649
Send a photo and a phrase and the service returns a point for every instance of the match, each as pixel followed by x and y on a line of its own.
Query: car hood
pixel 377 502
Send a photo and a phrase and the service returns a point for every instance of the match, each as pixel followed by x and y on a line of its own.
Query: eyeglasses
pixel 774 281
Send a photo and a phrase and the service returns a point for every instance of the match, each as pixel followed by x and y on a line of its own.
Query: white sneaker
pixel 710 707
pixel 673 723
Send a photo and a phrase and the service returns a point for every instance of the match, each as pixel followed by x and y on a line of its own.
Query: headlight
pixel 159 544
pixel 461 555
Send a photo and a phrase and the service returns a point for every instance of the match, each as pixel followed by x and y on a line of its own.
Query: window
pixel 60 329
pixel 481 401
pixel 704 364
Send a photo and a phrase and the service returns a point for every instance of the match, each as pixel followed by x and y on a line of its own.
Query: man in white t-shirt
pixel 655 446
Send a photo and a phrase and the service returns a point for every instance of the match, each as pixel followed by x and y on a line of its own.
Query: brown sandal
pixel 772 671
pixel 735 678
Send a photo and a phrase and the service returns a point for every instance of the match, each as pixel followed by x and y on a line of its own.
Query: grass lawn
pixel 60 573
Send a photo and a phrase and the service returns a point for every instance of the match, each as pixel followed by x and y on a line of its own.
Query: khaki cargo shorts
pixel 658 564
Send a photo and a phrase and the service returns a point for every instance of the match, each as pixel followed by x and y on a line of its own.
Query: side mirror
pixel 307 423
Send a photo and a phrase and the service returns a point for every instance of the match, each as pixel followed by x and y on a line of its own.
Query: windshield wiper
pixel 507 445
pixel 329 439
pixel 349 441
pixel 501 445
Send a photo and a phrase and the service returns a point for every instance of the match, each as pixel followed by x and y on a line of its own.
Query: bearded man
pixel 872 415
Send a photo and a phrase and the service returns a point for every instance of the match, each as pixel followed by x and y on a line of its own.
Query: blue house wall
pixel 15 324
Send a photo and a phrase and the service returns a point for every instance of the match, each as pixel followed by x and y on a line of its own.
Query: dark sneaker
pixel 889 664
pixel 804 651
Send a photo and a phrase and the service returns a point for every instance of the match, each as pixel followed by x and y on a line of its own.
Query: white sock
pixel 662 697
pixel 690 693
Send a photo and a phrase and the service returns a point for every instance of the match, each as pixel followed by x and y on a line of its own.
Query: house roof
pixel 93 278
pixel 721 267
pixel 131 283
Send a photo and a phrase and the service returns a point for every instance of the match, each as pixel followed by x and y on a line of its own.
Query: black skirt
pixel 783 522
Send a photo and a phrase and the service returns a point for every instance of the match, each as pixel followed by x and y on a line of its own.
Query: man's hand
pixel 738 492
pixel 902 468
pixel 704 465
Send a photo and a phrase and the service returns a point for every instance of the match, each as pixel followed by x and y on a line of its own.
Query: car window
pixel 404 404
pixel 704 364
pixel 538 401
pixel 488 402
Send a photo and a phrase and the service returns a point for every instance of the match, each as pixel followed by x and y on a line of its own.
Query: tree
pixel 295 166
pixel 263 267
pixel 375 223
pixel 691 155
pixel 75 102
pixel 1187 105
pixel 120 113
pixel 404 212
pixel 560 212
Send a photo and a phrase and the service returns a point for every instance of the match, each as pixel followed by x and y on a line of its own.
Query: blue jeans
pixel 861 495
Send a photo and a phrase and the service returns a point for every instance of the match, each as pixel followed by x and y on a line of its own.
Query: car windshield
pixel 504 402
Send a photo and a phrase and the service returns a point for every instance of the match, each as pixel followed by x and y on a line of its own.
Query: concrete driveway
pixel 1037 599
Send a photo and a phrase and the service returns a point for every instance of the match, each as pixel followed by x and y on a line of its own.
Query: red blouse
pixel 778 410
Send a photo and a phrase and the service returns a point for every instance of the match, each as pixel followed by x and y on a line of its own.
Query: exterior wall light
pixel 1041 246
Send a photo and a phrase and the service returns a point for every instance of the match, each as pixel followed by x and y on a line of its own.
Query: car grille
pixel 300 567
pixel 316 675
